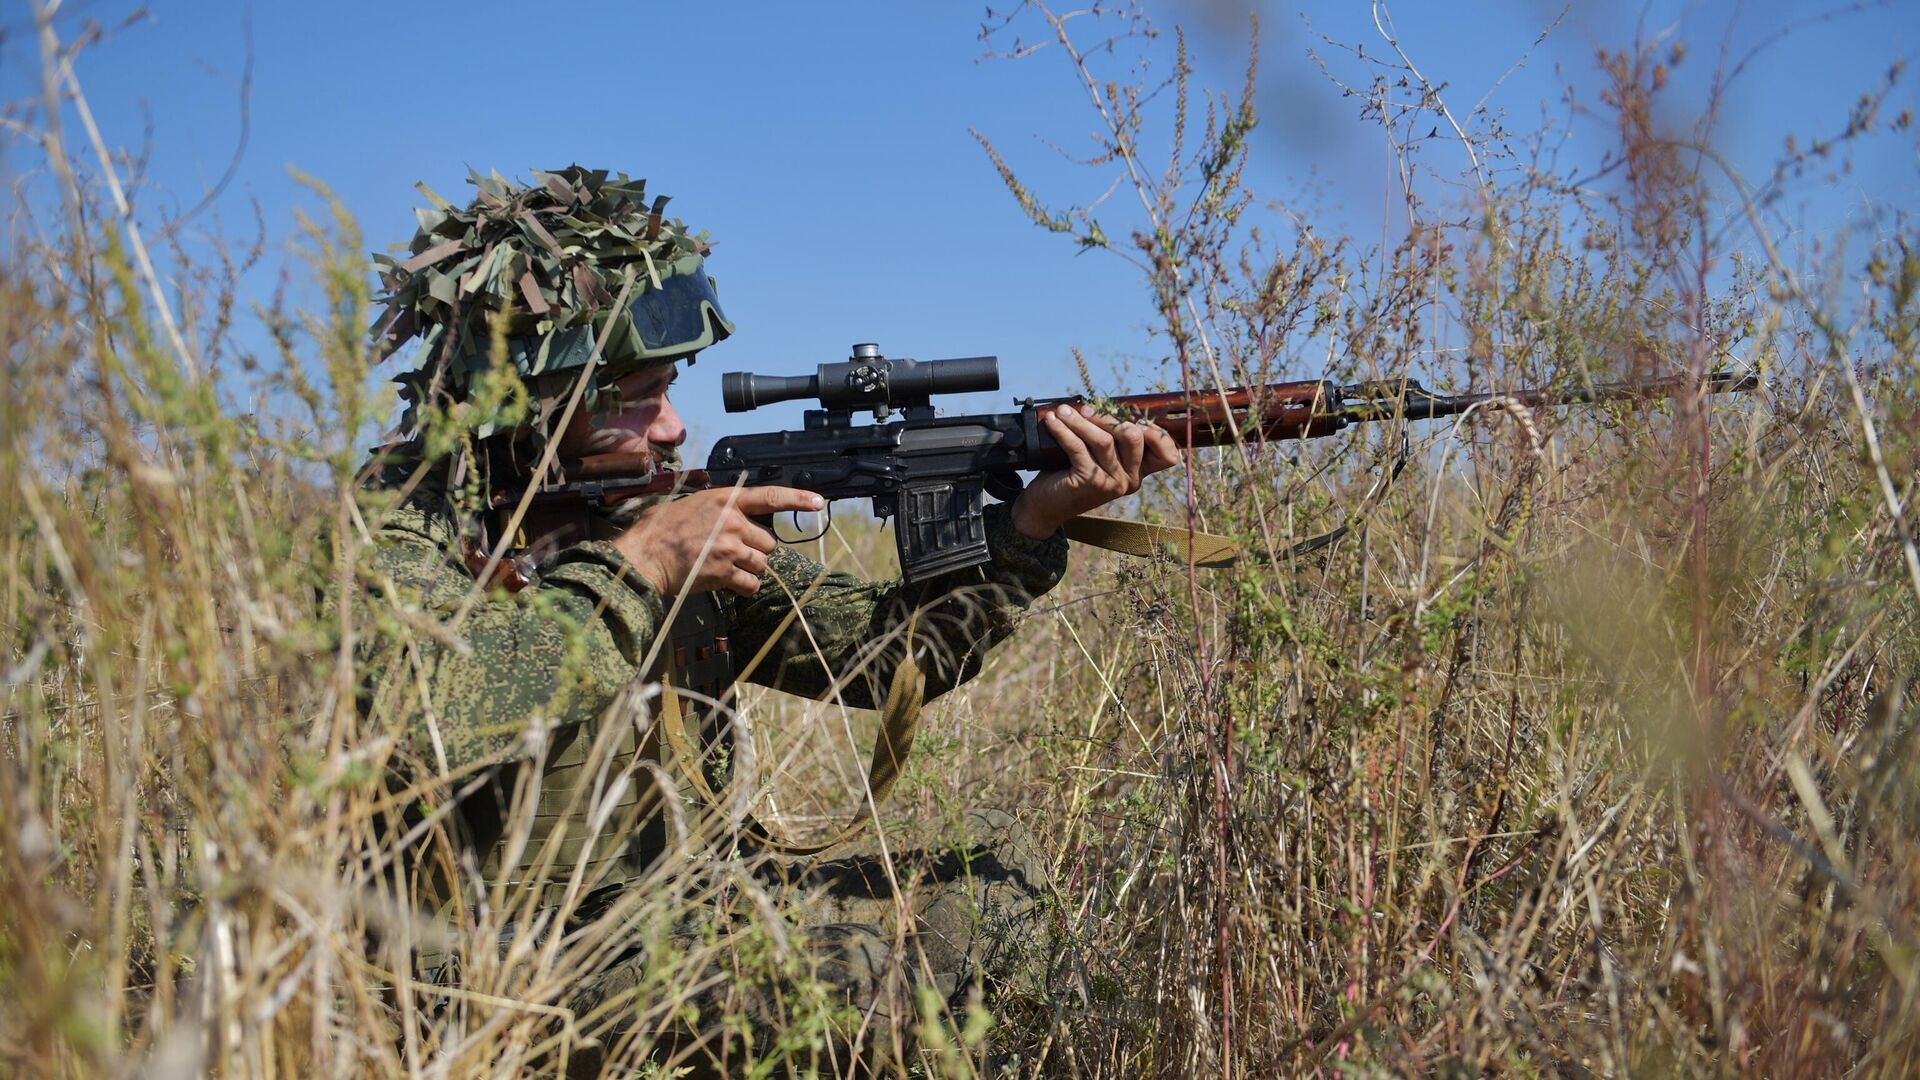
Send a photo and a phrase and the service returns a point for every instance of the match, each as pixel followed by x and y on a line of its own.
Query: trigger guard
pixel 1005 486
pixel 799 535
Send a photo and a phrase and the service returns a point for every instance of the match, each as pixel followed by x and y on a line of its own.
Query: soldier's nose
pixel 667 428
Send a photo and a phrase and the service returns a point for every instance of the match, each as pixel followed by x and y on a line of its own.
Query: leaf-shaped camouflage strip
pixel 530 288
pixel 549 255
pixel 432 255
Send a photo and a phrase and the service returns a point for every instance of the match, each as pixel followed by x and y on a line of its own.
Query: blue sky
pixel 826 147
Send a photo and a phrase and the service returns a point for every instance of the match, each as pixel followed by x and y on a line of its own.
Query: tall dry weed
pixel 1586 748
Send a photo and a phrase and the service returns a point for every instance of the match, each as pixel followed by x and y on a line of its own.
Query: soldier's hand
pixel 1106 459
pixel 708 541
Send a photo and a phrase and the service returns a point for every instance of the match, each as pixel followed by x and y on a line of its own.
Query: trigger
pixel 826 519
pixel 796 534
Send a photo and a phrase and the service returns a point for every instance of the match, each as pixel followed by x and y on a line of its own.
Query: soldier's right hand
pixel 708 540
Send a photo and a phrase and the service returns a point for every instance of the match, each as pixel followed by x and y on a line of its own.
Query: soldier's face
pixel 641 420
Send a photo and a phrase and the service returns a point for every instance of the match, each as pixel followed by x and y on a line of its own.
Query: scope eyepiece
pixel 741 391
pixel 867 381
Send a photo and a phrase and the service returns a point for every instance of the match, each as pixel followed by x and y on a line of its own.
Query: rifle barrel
pixel 1383 401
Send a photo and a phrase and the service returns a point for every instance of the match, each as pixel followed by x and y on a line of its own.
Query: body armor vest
pixel 697 661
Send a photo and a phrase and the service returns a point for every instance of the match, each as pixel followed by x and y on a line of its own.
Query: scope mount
pixel 868 378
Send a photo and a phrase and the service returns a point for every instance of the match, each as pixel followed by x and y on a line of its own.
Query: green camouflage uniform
pixel 569 651
pixel 565 649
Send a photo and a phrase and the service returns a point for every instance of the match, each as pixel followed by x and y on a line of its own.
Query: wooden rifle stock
pixel 1290 410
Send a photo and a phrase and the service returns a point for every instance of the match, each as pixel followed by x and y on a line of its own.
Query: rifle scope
pixel 867 381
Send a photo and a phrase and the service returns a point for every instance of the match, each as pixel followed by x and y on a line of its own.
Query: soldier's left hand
pixel 1106 458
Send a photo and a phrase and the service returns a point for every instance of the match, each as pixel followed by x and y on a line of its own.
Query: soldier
pixel 518 706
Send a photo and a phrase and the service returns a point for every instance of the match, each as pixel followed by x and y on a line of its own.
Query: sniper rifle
pixel 930 473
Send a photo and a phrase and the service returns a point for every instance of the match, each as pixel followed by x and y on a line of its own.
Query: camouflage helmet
pixel 538 268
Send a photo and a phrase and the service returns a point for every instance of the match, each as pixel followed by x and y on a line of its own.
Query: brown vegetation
pixel 1587 750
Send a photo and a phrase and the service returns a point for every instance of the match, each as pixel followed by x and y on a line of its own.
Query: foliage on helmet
pixel 529 272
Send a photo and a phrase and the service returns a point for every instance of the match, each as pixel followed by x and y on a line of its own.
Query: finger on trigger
pixel 761 501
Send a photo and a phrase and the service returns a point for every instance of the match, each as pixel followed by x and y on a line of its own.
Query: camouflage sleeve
pixel 558 651
pixel 848 635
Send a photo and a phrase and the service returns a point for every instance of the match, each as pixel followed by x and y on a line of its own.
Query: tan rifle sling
pixel 1138 538
pixel 899 721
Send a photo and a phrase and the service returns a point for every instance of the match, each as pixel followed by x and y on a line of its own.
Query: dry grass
pixel 1587 751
